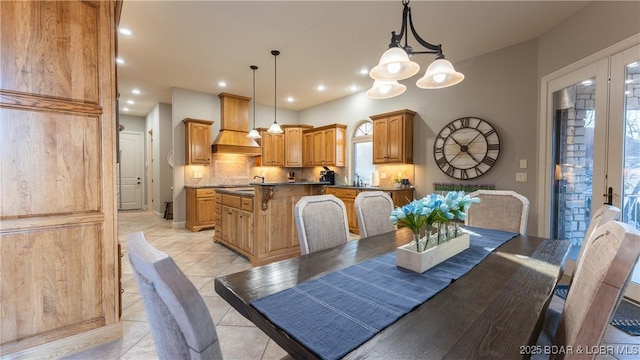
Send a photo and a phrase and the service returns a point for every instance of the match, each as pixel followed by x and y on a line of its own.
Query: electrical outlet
pixel 523 163
pixel 383 176
pixel 521 177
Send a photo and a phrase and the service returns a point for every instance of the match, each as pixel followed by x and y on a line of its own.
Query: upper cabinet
pixel 393 137
pixel 197 141
pixel 327 145
pixel 293 144
pixel 272 148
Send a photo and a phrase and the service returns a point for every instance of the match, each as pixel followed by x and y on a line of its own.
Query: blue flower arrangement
pixel 433 209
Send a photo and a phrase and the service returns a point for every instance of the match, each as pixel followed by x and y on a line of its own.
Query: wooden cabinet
pixel 393 137
pixel 197 141
pixel 348 197
pixel 201 209
pixel 235 227
pixel 307 149
pixel 293 135
pixel 327 145
pixel 58 215
pixel 272 148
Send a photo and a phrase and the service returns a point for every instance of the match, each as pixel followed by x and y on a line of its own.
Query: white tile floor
pixel 202 260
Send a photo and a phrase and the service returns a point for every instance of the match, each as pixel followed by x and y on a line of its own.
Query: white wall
pixel 159 121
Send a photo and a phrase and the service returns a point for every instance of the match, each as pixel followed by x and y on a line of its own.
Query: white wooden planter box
pixel 407 257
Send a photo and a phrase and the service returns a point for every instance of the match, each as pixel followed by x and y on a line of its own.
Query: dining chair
pixel 180 321
pixel 373 209
pixel 499 210
pixel 607 264
pixel 601 216
pixel 321 221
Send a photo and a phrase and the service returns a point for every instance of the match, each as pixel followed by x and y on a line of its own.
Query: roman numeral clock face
pixel 466 148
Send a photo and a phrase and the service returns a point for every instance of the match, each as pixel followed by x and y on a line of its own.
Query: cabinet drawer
pixel 218 208
pixel 232 200
pixel 342 193
pixel 205 193
pixel 219 198
pixel 218 221
pixel 247 204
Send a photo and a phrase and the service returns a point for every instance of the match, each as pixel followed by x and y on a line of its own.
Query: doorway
pixel 131 170
pixel 591 153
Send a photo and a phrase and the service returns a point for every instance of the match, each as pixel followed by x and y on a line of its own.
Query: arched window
pixel 362 152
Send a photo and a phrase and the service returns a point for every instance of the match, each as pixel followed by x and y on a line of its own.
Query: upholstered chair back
pixel 321 221
pixel 180 321
pixel 373 209
pixel 500 210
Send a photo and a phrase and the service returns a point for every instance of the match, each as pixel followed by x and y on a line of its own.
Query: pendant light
pixel 254 134
pixel 275 128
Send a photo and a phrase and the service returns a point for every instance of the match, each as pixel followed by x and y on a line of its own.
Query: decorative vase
pixel 407 257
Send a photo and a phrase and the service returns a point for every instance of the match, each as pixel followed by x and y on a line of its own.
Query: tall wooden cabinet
pixel 197 141
pixel 393 137
pixel 58 240
pixel 293 144
pixel 327 145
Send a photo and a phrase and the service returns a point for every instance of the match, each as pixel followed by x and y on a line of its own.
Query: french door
pixel 592 146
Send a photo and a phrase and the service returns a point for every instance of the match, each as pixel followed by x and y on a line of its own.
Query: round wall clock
pixel 466 148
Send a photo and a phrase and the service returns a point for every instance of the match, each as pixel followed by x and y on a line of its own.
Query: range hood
pixel 234 127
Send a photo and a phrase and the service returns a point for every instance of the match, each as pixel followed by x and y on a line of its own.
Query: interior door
pixel 131 170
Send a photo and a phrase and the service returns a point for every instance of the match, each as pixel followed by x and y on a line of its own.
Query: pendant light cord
pixel 254 68
pixel 275 83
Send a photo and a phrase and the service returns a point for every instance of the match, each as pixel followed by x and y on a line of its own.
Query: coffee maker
pixel 328 175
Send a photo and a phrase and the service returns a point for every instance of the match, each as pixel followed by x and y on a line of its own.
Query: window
pixel 363 152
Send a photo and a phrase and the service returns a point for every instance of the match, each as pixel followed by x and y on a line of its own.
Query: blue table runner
pixel 336 313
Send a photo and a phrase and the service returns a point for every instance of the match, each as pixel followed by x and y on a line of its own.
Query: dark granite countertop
pixel 389 188
pixel 288 183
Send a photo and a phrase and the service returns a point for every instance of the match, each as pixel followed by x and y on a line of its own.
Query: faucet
pixel 259 177
pixel 356 182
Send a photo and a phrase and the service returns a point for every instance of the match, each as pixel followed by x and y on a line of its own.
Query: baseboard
pixel 179 225
pixel 71 345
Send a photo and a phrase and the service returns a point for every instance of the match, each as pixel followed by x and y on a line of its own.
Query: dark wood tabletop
pixel 491 312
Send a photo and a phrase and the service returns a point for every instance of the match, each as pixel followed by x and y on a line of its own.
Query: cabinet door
pixel 226 223
pixel 329 147
pixel 292 147
pixel 307 149
pixel 272 149
pixel 395 139
pixel 380 149
pixel 199 144
pixel 246 231
pixel 318 148
pixel 206 211
pixel 351 214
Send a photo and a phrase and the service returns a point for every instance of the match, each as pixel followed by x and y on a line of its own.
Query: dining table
pixel 495 310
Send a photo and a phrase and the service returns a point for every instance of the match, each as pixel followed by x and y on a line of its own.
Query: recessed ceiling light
pixel 320 87
pixel 130 102
pixel 353 88
pixel 125 31
pixel 290 99
pixel 125 109
pixel 136 91
pixel 119 60
pixel 364 71
pixel 222 83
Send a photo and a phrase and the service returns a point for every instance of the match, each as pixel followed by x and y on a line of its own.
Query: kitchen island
pixel 259 224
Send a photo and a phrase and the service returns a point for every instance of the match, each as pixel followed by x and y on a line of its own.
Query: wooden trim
pixel 19 100
pixel 47 222
pixel 393 113
pixel 68 345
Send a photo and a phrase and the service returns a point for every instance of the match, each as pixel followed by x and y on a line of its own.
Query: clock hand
pixel 458 154
pixel 469 143
pixel 473 157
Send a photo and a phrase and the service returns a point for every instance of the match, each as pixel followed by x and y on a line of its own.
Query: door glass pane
pixel 574 120
pixel 631 172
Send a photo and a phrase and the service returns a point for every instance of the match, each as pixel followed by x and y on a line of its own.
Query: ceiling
pixel 195 44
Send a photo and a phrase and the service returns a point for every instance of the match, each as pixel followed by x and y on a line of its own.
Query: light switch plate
pixel 523 163
pixel 521 177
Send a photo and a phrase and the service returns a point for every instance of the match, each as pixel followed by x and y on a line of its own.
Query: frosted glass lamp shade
pixel 384 89
pixel 394 65
pixel 439 74
pixel 254 134
pixel 275 128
